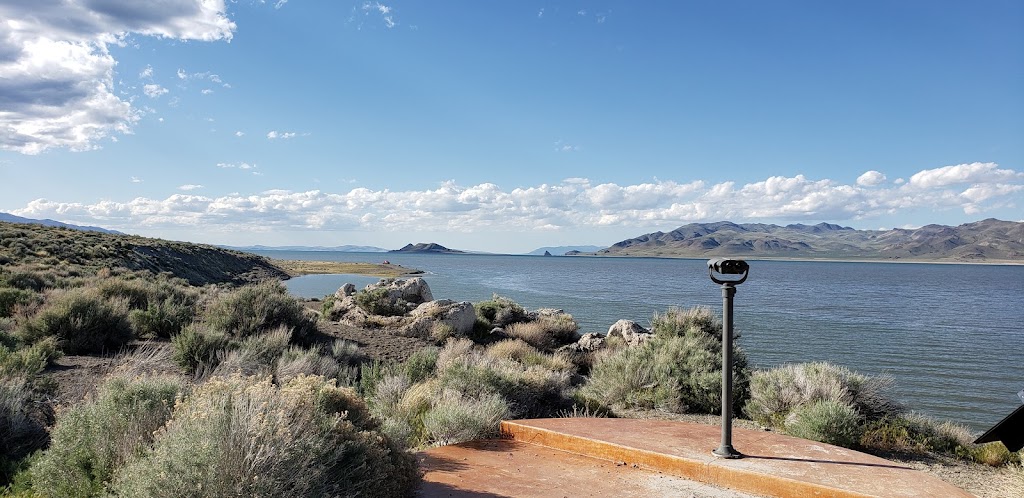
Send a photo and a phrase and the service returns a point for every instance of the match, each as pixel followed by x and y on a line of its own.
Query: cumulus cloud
pixel 870 179
pixel 239 133
pixel 963 174
pixel 56 72
pixel 570 204
pixel 190 186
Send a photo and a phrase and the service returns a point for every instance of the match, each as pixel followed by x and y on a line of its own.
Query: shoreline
pixel 297 268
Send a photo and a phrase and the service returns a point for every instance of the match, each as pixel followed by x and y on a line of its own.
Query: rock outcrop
pixel 632 333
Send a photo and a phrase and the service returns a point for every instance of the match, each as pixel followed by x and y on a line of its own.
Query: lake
pixel 950 335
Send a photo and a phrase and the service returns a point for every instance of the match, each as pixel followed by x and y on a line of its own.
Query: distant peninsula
pixel 428 247
pixel 986 241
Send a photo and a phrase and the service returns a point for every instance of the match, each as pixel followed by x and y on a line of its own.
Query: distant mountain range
pixel 989 240
pixel 427 247
pixel 10 218
pixel 345 248
pixel 561 250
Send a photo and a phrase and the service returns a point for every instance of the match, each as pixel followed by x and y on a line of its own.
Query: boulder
pixel 587 343
pixel 631 332
pixel 346 290
pixel 413 290
pixel 458 315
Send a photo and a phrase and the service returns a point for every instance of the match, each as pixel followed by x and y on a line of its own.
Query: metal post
pixel 727 267
pixel 725 449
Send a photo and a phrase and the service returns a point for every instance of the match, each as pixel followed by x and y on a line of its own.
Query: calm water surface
pixel 950 335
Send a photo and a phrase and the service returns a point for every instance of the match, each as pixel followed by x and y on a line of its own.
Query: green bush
pixel 828 421
pixel 379 302
pixel 296 361
pixel 258 308
pixel 678 370
pixel 92 440
pixel 11 298
pixel 242 436
pixel 197 347
pixel 81 321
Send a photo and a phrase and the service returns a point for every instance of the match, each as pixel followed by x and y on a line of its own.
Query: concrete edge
pixel 707 472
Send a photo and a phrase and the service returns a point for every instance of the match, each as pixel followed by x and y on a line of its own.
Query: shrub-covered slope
pixel 73 251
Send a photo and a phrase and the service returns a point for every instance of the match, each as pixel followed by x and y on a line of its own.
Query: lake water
pixel 950 335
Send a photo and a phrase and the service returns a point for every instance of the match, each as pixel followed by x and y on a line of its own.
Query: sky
pixel 507 126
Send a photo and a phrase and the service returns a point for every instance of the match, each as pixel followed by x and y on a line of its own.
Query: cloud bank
pixel 57 74
pixel 571 204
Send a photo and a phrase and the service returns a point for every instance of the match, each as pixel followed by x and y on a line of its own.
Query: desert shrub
pixel 240 436
pixel 25 280
pixel 519 351
pixel 455 417
pixel 828 421
pixel 425 400
pixel 296 361
pixel 679 370
pixel 993 454
pixel 421 365
pixel 500 311
pixel 258 308
pixel 776 392
pixel 81 321
pixel 912 433
pixel 546 333
pixel 162 319
pixel 93 439
pixel 441 332
pixel 27 362
pixel 11 298
pixel 378 301
pixel 197 347
pixel 134 292
pixel 256 354
pixel 22 429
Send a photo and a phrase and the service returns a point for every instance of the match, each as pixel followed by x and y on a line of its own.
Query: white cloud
pixel 575 203
pixel 189 186
pixel 280 3
pixel 962 174
pixel 239 133
pixel 870 179
pixel 561 146
pixel 206 91
pixel 146 73
pixel 56 72
pixel 273 134
pixel 153 91
pixel 136 179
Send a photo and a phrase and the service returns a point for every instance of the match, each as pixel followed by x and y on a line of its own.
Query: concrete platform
pixel 629 457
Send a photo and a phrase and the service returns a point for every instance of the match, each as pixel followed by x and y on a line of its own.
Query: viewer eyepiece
pixel 727 266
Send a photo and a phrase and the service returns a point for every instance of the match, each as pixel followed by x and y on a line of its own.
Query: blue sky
pixel 505 126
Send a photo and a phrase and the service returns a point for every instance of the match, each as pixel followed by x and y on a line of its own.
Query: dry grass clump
pixel 522 352
pixel 244 436
pixel 678 370
pixel 546 332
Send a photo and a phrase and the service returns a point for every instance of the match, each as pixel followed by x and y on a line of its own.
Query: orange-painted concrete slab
pixel 506 468
pixel 774 465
